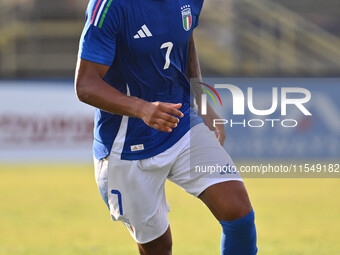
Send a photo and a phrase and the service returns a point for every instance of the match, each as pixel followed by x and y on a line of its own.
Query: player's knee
pixel 236 212
pixel 243 208
pixel 239 207
pixel 227 200
pixel 160 246
pixel 166 247
pixel 163 248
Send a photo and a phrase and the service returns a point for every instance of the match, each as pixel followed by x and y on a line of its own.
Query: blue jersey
pixel 145 43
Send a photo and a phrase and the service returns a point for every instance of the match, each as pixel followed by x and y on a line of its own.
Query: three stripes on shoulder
pixel 143 32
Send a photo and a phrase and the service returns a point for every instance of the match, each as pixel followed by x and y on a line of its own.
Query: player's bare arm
pixel 93 90
pixel 194 71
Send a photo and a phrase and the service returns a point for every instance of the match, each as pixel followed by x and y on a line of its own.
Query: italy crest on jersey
pixel 186 17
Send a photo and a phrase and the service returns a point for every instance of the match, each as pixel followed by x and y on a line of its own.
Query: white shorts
pixel 134 190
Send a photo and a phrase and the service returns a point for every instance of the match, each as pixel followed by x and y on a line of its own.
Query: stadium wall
pixel 44 121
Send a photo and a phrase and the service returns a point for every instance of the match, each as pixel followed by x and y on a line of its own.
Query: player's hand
pixel 218 129
pixel 220 133
pixel 161 116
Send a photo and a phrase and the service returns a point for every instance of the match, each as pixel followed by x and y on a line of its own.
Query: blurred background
pixel 39 38
pixel 49 202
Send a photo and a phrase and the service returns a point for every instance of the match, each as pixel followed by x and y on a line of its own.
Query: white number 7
pixel 168 45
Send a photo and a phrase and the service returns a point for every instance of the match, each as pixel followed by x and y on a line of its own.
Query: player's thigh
pixel 202 163
pixel 205 170
pixel 227 200
pixel 135 195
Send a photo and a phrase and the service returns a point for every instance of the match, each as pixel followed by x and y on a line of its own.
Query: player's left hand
pixel 220 133
pixel 218 129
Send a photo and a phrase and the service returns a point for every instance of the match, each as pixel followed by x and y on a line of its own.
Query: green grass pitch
pixel 56 209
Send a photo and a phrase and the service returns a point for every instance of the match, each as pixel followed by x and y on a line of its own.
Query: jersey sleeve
pixel 99 37
pixel 196 10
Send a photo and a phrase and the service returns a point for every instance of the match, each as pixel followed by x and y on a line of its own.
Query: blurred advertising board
pixel 43 120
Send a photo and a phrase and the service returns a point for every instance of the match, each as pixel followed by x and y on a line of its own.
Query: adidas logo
pixel 143 32
pixel 137 147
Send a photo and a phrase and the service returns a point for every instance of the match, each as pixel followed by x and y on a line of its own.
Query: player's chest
pixel 149 24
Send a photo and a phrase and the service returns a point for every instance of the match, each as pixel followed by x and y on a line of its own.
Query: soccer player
pixel 135 60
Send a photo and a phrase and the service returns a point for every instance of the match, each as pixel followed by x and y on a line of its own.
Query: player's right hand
pixel 161 116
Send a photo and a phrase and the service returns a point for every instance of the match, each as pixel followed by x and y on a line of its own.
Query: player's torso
pixel 150 23
pixel 152 46
pixel 151 55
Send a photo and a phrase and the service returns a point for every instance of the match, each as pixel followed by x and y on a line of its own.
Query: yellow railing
pixel 267 39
